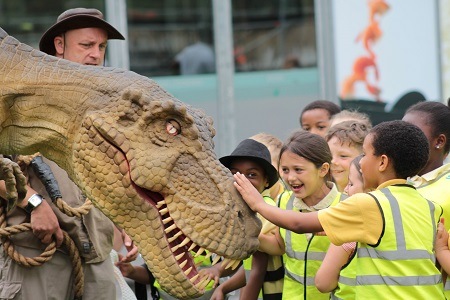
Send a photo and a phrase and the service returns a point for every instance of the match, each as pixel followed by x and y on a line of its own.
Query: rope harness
pixel 46 177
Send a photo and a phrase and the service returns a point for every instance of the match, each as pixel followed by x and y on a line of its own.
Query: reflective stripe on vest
pixel 303 260
pixel 403 264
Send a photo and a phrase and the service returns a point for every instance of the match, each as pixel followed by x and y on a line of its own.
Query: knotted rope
pixel 47 254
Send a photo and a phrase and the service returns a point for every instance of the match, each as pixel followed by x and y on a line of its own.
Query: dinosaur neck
pixel 31 113
pixel 46 99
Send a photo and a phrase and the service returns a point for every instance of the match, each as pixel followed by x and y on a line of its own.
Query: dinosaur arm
pixel 45 174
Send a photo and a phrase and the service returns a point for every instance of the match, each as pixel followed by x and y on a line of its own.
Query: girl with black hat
pixel 261 275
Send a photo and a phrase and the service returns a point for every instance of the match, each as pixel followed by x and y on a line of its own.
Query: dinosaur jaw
pixel 183 249
pixel 170 226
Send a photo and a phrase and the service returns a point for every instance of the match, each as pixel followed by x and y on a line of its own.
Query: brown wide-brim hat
pixel 76 18
pixel 256 151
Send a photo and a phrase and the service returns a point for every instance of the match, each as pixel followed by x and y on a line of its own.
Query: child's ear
pixel 440 141
pixel 323 170
pixel 384 163
pixel 266 184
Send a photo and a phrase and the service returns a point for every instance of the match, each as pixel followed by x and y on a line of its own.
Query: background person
pixel 433 118
pixel 316 116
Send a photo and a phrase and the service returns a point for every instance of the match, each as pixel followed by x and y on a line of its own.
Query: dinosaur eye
pixel 173 127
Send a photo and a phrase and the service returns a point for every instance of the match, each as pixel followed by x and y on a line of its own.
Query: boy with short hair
pixel 345 140
pixel 394 224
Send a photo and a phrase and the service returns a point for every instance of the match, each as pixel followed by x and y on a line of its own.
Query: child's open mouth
pixel 296 187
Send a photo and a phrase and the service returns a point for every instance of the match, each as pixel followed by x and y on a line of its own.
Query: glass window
pixel 159 31
pixel 176 37
pixel 270 35
pixel 27 20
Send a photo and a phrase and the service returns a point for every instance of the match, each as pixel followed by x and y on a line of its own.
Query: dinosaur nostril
pixel 240 215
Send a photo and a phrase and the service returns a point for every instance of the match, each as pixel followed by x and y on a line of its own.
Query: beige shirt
pixel 93 233
pixel 358 218
pixel 324 203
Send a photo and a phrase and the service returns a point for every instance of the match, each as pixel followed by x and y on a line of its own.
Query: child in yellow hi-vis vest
pixel 394 225
pixel 433 118
pixel 255 278
pixel 337 273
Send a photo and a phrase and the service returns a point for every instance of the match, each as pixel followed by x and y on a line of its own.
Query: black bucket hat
pixel 76 18
pixel 256 151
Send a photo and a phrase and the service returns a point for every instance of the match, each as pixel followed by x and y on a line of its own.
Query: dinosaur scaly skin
pixel 144 158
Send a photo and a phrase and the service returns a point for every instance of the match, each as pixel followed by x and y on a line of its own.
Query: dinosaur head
pixel 150 167
pixel 145 159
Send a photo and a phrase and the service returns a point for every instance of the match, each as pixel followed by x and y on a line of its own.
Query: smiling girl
pixel 304 166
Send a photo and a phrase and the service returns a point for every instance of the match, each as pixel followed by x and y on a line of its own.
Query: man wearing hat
pixel 79 35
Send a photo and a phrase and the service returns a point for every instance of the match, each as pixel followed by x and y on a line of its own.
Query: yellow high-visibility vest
pixel 303 257
pixel 402 264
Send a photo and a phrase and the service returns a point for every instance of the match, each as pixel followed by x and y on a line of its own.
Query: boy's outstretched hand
pixel 247 191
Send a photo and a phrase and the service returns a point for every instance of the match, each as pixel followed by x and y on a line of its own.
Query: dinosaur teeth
pixel 208 255
pixel 194 278
pixel 235 265
pixel 203 283
pixel 230 263
pixel 170 228
pixel 200 283
pixel 183 264
pixel 160 204
pixel 188 271
pixel 184 242
pixel 216 260
pixel 164 211
pixel 175 237
pixel 167 220
pixel 179 256
pixel 192 247
pixel 225 263
pixel 199 252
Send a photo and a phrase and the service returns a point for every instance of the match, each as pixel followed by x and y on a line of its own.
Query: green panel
pixel 248 86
